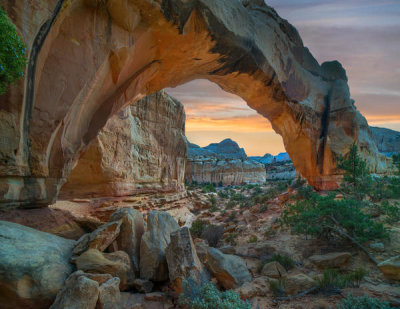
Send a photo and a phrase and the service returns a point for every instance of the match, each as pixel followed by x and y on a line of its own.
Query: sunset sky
pixel 364 35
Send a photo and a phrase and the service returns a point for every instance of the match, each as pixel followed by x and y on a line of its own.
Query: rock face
pixel 153 263
pixel 130 236
pixel 387 141
pixel 230 270
pixel 85 64
pixel 391 268
pixel 330 260
pixel 142 149
pixel 33 266
pixel 117 264
pixel 222 162
pixel 182 259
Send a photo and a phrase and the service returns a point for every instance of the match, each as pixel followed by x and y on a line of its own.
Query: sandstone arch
pixel 90 58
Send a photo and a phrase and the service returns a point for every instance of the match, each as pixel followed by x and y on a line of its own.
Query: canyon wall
pixel 387 141
pixel 141 149
pixel 88 59
pixel 222 162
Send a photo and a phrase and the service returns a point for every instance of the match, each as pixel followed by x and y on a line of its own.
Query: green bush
pixel 364 302
pixel 213 234
pixel 283 259
pixel 197 228
pixel 331 218
pixel 277 287
pixel 252 239
pixel 391 210
pixel 331 279
pixel 12 53
pixel 209 187
pixel 207 296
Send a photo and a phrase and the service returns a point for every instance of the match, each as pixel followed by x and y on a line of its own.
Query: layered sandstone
pixel 222 162
pixel 141 149
pixel 88 59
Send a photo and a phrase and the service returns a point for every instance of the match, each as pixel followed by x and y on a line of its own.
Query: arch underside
pixel 88 59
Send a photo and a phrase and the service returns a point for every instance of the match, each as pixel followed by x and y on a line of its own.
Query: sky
pixel 364 35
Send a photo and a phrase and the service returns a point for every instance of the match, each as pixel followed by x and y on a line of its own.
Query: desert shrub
pixel 391 210
pixel 304 192
pixel 231 238
pixel 238 197
pixel 252 239
pixel 12 53
pixel 207 296
pixel 277 287
pixel 197 228
pixel 213 234
pixel 364 302
pixel 213 202
pixel 264 208
pixel 223 194
pixel 209 187
pixel 331 279
pixel 283 259
pixel 230 204
pixel 331 218
pixel 232 217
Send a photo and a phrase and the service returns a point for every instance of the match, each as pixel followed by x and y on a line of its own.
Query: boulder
pixel 79 292
pixel 298 283
pixel 391 268
pixel 330 260
pixel 109 294
pixel 99 239
pixel 153 263
pixel 33 266
pixel 117 264
pixel 258 287
pixel 130 236
pixel 230 270
pixel 183 262
pixel 143 286
pixel 273 270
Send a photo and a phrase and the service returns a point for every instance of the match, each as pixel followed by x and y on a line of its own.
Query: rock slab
pixel 33 266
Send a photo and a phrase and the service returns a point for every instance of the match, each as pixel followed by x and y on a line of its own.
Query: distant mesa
pixel 270 159
pixel 223 162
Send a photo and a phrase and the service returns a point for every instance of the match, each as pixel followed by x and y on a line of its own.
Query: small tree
pixel 12 53
pixel 356 179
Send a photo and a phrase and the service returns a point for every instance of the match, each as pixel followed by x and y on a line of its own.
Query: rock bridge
pixel 87 59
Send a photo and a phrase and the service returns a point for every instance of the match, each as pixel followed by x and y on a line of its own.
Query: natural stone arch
pixel 90 58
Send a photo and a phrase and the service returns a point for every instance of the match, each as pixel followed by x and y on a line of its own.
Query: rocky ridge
pixel 223 162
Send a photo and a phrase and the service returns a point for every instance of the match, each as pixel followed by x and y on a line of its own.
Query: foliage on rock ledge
pixel 12 53
pixel 207 296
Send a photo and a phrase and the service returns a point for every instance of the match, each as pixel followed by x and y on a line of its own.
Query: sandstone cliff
pixel 141 149
pixel 222 162
pixel 387 141
pixel 88 59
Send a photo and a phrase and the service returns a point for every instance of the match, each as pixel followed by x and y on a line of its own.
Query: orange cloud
pixel 253 123
pixel 379 119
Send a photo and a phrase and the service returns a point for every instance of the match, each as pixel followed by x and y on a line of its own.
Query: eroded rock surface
pixel 222 162
pixel 33 266
pixel 141 149
pixel 89 59
pixel 153 262
pixel 183 262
